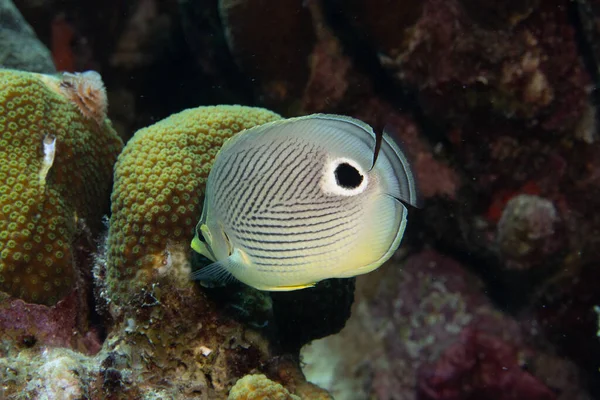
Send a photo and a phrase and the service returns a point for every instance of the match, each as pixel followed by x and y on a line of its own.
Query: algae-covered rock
pixel 19 46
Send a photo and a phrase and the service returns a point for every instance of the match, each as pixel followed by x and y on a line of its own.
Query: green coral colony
pixel 57 152
pixel 55 163
pixel 59 156
pixel 160 179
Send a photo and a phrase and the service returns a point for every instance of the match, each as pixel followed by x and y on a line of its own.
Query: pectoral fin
pixel 220 271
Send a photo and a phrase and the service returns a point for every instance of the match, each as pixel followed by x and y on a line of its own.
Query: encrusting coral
pixel 526 230
pixel 159 186
pixel 167 337
pixel 55 174
pixel 259 387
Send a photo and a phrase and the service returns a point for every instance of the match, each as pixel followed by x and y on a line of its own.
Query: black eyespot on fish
pixel 347 176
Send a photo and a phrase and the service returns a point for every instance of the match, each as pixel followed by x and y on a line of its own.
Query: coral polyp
pixel 55 172
pixel 159 186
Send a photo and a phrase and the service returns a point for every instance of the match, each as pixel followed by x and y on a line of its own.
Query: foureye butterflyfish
pixel 299 200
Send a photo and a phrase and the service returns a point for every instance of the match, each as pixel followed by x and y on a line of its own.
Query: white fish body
pixel 296 201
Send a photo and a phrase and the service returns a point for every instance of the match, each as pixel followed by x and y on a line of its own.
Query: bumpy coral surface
pixel 55 172
pixel 159 186
pixel 259 387
pixel 526 229
pixel 422 328
pixel 480 366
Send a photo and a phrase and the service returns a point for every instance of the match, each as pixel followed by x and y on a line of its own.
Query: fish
pixel 296 201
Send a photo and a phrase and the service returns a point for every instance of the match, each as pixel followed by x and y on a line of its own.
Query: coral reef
pixel 259 387
pixel 20 47
pixel 526 231
pixel 56 173
pixel 422 322
pixel 480 366
pixel 511 70
pixel 495 104
pixel 158 191
pixel 166 336
pixel 35 327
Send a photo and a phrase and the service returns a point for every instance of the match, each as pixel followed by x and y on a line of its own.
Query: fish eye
pixel 199 233
pixel 347 176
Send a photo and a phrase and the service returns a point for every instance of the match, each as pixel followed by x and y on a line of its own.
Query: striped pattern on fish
pixel 300 200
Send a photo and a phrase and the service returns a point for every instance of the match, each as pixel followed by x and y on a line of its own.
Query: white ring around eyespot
pixel 329 183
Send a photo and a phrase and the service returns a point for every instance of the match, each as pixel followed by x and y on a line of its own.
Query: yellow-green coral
pixel 259 387
pixel 42 201
pixel 159 186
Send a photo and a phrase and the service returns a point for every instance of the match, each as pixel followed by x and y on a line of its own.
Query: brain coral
pixel 259 387
pixel 55 172
pixel 159 186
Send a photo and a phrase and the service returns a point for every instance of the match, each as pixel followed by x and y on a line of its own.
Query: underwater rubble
pixel 492 295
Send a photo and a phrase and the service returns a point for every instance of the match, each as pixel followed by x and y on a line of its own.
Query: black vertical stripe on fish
pixel 377 149
pixel 393 150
